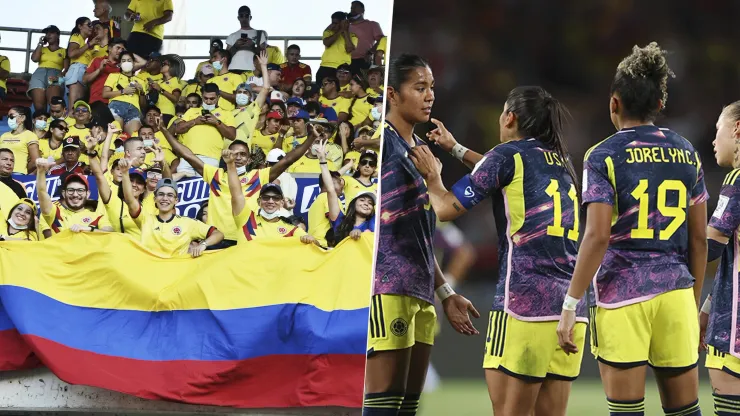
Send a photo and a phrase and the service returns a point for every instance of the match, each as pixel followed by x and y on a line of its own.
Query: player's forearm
pixel 698 264
pixel 43 195
pixel 215 238
pixel 128 196
pixel 235 188
pixel 439 277
pixel 444 202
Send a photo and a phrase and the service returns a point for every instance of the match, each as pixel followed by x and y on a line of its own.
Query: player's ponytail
pixel 541 116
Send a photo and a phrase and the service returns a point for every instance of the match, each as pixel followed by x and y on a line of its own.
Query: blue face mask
pixel 209 107
pixel 375 113
pixel 13 123
pixel 41 124
pixel 217 65
pixel 242 99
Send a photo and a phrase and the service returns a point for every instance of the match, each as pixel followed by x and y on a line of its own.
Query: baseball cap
pixel 206 69
pixel 368 194
pixel 329 114
pixel 369 154
pixel 274 67
pixel 155 55
pixel 138 172
pixel 51 29
pixel 296 101
pixel 344 68
pixel 375 100
pixel 271 187
pixel 57 100
pixel 76 177
pixel 276 96
pixel 81 103
pixel 275 115
pixel 217 41
pixel 72 141
pixel 301 114
pixel 274 155
pixel 376 68
pixel 166 183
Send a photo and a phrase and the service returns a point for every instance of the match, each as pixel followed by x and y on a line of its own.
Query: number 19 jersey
pixel 536 211
pixel 650 176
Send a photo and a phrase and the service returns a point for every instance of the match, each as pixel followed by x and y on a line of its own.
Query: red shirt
pixel 96 88
pixel 59 170
pixel 292 73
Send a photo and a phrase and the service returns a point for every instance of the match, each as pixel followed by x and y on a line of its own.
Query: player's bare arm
pixel 235 187
pixel 698 247
pixel 445 203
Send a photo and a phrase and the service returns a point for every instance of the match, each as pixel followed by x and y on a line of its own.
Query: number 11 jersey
pixel 650 176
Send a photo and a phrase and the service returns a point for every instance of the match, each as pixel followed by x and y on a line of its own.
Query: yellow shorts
pixel 662 332
pixel 722 361
pixel 530 350
pixel 398 322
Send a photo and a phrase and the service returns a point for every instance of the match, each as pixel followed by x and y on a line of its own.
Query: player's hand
pixel 321 151
pixel 262 59
pixel 124 164
pixel 565 332
pixel 703 322
pixel 425 162
pixel 441 136
pixel 308 239
pixel 196 251
pixel 229 156
pixel 355 234
pixel 158 154
pixel 289 204
pixel 77 228
pixel 113 129
pixel 456 308
pixel 210 119
pixel 90 143
pixel 43 164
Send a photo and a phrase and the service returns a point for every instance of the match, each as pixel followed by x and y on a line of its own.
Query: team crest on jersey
pixel 282 230
pixel 217 114
pixel 86 220
pixel 243 180
pixel 176 230
pixel 399 327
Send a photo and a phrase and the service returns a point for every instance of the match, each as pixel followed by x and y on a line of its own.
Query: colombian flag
pixel 241 327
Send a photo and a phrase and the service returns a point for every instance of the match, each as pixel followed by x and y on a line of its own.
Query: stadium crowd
pixel 117 112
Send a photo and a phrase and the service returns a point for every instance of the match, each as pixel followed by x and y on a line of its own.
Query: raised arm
pixel 294 154
pixel 105 150
pixel 238 201
pixel 266 90
pixel 36 56
pixel 42 165
pixel 331 193
pixel 180 149
pixel 446 205
pixel 134 207
pixel 103 188
pixel 92 75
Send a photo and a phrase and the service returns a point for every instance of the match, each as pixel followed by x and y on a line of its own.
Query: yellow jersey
pixel 119 215
pixel 61 218
pixel 336 54
pixel 353 187
pixel 309 165
pixel 354 156
pixel 245 119
pixel 52 59
pixel 172 237
pixel 19 144
pixel 204 139
pixel 190 89
pixel 99 52
pixel 360 110
pixel 227 83
pixel 219 199
pixel 150 10
pixel 339 104
pixel 87 56
pixel 4 64
pixel 318 221
pixel 274 55
pixel 264 141
pixel 8 198
pixel 292 142
pixel 164 103
pixel 114 81
pixel 251 225
pixel 169 155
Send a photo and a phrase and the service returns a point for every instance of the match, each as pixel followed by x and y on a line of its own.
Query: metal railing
pixel 287 40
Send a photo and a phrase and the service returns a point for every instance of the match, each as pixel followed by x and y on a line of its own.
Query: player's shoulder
pixel 508 149
pixel 732 178
pixel 608 146
pixel 284 65
pixel 677 139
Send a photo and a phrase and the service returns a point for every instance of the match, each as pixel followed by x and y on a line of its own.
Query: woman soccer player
pixel 402 317
pixel 532 184
pixel 644 245
pixel 717 318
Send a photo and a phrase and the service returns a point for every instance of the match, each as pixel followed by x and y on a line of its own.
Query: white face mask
pixel 242 99
pixel 268 216
pixel 217 65
pixel 127 66
pixel 40 124
pixel 241 170
pixel 375 113
pixel 209 107
pixel 16 226
pixel 315 149
pixel 13 123
pixel 119 149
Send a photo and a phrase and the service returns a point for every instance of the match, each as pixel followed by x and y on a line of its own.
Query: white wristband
pixel 570 303
pixel 707 306
pixel 444 292
pixel 458 151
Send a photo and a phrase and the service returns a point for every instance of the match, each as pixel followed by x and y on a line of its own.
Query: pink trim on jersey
pixel 626 302
pixel 550 318
pixel 511 250
pixel 733 332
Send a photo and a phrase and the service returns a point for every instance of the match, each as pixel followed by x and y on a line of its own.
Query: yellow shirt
pixel 52 59
pixel 143 77
pixel 339 104
pixel 119 216
pixel 191 88
pixel 246 119
pixel 251 225
pixel 360 110
pixel 353 187
pixel 264 141
pixel 19 144
pixel 61 218
pixel 204 139
pixel 164 103
pixel 4 64
pixel 200 65
pixel 219 199
pixel 115 80
pixel 318 222
pixel 45 150
pixel 170 238
pixel 150 10
pixel 99 52
pixel 275 55
pixel 354 156
pixel 159 138
pixel 227 83
pixel 8 198
pixel 87 56
pixel 76 131
pixel 382 44
pixel 308 165
pixel 290 143
pixel 336 54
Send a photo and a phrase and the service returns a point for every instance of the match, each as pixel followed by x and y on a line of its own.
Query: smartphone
pixel 204 112
pixel 148 143
pixel 245 36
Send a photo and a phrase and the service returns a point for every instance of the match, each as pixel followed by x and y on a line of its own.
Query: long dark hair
pixel 31 222
pixel 54 124
pixel 641 82
pixel 26 112
pixel 364 84
pixel 78 22
pixel 541 116
pixel 348 223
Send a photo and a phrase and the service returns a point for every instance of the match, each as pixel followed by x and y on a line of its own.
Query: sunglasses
pixel 276 198
pixel 81 110
pixel 368 162
pixel 64 129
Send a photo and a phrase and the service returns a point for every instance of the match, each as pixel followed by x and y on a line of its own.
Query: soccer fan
pixel 82 116
pixel 274 131
pixel 358 112
pixel 531 168
pixel 51 144
pixel 195 86
pixel 101 67
pixel 80 53
pixel 126 94
pixel 102 12
pixel 47 80
pixel 318 212
pixel 58 110
pixel 293 69
pixel 149 17
pixel 309 162
pixel 716 315
pixel 71 159
pixel 101 33
pixel 644 246
pixel 245 42
pixel 21 140
pixel 330 98
pixel 169 89
pixel 274 55
pixel 251 180
pixel 344 75
pixel 266 222
pixel 362 180
pixel 339 43
pixel 298 88
pixel 367 32
pixel 375 81
pixel 216 44
pixel 287 182
pixel 10 189
pixel 152 115
pixel 226 81
pixel 402 316
pixel 165 232
pixel 298 122
pixel 20 225
pixel 379 58
pixel 71 211
pixel 40 124
pixel 247 112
